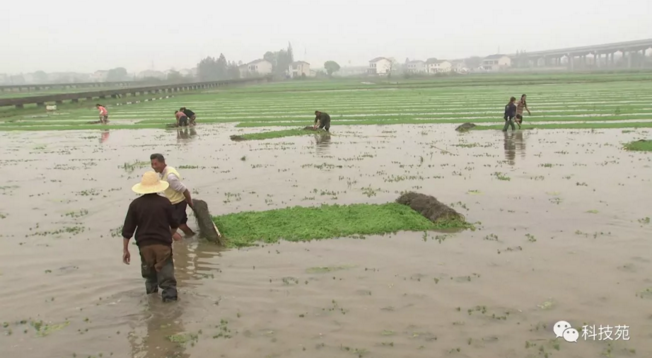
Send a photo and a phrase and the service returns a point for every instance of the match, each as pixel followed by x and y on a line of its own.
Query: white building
pixel 416 66
pixel 496 62
pixel 380 66
pixel 299 69
pixel 459 66
pixel 256 68
pixel 434 66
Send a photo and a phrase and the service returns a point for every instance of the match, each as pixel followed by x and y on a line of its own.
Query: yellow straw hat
pixel 150 184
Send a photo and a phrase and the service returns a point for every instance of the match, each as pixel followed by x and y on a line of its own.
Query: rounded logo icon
pixel 571 335
pixel 560 327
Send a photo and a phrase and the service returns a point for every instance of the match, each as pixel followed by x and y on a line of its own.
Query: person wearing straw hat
pixel 151 217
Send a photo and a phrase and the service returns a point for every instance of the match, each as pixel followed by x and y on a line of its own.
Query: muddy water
pixel 565 238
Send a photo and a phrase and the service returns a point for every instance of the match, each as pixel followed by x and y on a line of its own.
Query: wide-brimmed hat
pixel 150 184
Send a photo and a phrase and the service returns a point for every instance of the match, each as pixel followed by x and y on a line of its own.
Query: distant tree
pixel 280 60
pixel 233 71
pixel 151 80
pixel 221 67
pixel 40 77
pixel 473 62
pixel 207 70
pixel 117 74
pixel 175 77
pixel 331 67
pixel 393 66
pixel 213 69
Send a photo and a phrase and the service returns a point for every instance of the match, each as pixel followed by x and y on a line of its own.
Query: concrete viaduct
pixel 632 54
pixel 40 87
pixel 115 93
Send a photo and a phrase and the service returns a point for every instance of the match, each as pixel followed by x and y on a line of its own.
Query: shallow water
pixel 565 238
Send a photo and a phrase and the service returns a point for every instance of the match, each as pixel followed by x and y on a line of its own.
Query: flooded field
pixel 563 227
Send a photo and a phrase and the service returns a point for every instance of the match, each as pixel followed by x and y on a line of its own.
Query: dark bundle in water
pixel 207 228
pixel 465 127
pixel 237 138
pixel 310 128
pixel 429 207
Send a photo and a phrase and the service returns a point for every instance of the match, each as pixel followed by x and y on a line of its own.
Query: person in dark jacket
pixel 510 113
pixel 323 120
pixel 151 217
pixel 190 114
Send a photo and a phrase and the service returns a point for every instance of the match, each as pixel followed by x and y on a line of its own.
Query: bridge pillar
pixel 75 100
pixel 629 58
pixel 40 104
pixel 19 106
pixel 59 102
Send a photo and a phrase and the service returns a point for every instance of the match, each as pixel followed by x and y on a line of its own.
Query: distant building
pixel 257 67
pixel 299 69
pixel 416 66
pixel 152 74
pixel 496 62
pixel 99 76
pixel 380 66
pixel 434 66
pixel 459 66
pixel 352 71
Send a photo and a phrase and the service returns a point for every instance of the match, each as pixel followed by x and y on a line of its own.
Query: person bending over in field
pixel 104 113
pixel 182 119
pixel 520 106
pixel 510 113
pixel 323 120
pixel 190 114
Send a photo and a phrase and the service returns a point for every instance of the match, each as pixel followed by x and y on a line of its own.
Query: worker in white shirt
pixel 177 192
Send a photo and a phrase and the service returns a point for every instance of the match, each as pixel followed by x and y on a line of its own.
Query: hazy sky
pixel 83 36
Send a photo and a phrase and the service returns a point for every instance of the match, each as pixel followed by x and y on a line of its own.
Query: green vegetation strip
pixel 277 134
pixel 594 125
pixel 324 222
pixel 640 145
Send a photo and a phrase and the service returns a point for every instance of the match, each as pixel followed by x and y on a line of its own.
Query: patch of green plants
pixel 324 222
pixel 585 125
pixel 278 134
pixel 639 145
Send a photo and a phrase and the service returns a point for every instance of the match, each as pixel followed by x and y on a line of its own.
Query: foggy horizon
pixel 73 36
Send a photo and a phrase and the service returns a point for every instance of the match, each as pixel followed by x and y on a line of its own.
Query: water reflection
pixel 105 136
pixel 192 261
pixel 323 142
pixel 165 336
pixel 185 134
pixel 513 143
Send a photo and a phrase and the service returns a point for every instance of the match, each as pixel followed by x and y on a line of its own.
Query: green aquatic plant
pixel 324 222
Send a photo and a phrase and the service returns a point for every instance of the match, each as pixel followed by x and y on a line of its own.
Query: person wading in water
pixel 151 218
pixel 177 192
pixel 510 113
pixel 520 106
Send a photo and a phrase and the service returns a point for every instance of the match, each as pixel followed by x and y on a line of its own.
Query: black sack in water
pixel 465 127
pixel 207 228
pixel 428 206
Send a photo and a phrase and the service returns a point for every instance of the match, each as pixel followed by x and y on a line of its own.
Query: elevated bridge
pixel 630 54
